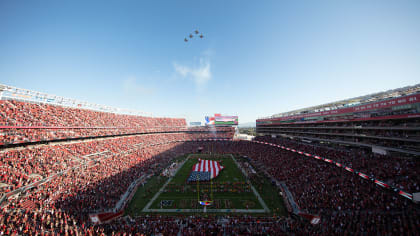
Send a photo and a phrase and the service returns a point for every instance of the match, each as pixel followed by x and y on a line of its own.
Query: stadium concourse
pixel 60 164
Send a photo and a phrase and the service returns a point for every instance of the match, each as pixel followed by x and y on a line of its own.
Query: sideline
pixel 266 209
pixel 146 208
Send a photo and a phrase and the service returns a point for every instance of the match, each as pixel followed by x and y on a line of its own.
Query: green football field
pixel 229 192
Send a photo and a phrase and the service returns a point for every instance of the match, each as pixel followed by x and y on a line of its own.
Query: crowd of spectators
pixel 86 176
pixel 209 225
pixel 345 202
pixel 29 135
pixel 58 222
pixel 22 166
pixel 16 113
pixel 33 122
pixel 50 189
pixel 402 171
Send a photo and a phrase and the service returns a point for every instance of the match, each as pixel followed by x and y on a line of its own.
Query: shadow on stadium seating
pixel 101 195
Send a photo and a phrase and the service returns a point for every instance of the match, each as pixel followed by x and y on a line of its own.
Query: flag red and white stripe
pixel 213 167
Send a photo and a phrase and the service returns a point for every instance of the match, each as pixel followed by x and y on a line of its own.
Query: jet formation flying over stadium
pixel 190 36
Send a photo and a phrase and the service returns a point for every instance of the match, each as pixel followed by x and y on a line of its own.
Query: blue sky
pixel 257 58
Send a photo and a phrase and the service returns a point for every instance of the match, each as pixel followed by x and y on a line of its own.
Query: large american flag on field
pixel 205 170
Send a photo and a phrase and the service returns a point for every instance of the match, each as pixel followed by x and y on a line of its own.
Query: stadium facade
pixel 383 122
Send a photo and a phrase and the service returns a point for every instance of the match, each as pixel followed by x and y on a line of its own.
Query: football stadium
pixel 81 172
pixel 249 137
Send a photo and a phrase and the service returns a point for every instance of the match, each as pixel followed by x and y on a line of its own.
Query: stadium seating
pixel 51 188
pixel 402 172
pixel 32 122
pixel 345 202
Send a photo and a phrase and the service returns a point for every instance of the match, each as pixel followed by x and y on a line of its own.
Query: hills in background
pixel 247 125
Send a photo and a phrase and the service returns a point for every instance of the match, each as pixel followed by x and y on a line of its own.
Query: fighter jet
pixel 190 36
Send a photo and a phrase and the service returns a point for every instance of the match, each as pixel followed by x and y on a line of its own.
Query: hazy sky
pixel 257 58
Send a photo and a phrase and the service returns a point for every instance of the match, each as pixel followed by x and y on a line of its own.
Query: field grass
pixel 229 190
pixel 190 193
pixel 144 194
